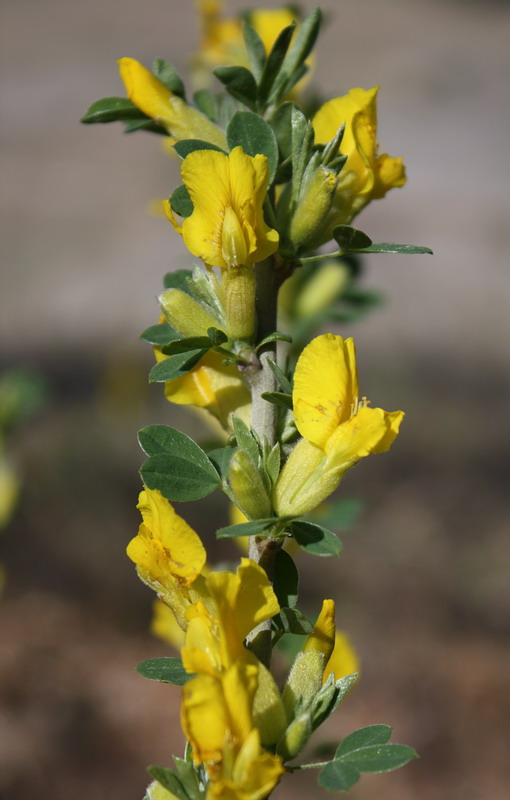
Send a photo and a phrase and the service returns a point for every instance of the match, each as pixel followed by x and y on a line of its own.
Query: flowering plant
pixel 265 184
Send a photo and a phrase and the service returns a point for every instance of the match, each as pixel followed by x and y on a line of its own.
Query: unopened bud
pixel 238 284
pixel 305 681
pixel 323 287
pixel 295 737
pixel 247 486
pixel 308 226
pixel 186 315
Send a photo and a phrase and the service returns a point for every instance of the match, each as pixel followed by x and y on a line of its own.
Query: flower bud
pixel 186 315
pixel 239 291
pixel 305 681
pixel 247 486
pixel 295 737
pixel 308 228
pixel 268 710
pixel 305 481
pixel 323 287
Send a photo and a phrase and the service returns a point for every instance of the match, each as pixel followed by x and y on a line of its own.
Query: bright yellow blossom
pixel 181 120
pixel 366 175
pixel 212 385
pixel 337 428
pixel 344 659
pixel 227 228
pixel 217 719
pixel 168 554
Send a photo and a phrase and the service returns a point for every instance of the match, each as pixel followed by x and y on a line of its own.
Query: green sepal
pixel 159 335
pixel 112 109
pixel 251 528
pixel 278 399
pixel 272 463
pixel 181 202
pixel 315 539
pixel 179 279
pixel 281 123
pixel 186 146
pixel 217 336
pixel 176 466
pixel 188 777
pixel 164 670
pixel 206 103
pixel 220 458
pixel 245 439
pixel 274 63
pixel 175 366
pixel 240 83
pixel 169 780
pixel 169 77
pixel 255 49
pixel 255 136
pixel 286 580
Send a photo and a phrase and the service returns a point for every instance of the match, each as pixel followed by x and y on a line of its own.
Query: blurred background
pixel 422 586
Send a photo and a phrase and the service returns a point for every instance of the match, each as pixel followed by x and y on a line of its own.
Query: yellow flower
pixel 337 428
pixel 168 554
pixel 164 625
pixel 217 719
pixel 227 228
pixel 366 175
pixel 212 385
pixel 181 120
pixel 344 659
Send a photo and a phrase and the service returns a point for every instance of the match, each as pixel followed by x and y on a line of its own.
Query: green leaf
pixel 286 580
pixel 251 528
pixel 188 777
pixel 350 239
pixel 255 49
pixel 315 539
pixel 338 777
pixel 144 125
pixel 164 670
pixel 220 458
pixel 245 439
pixel 278 399
pixel 111 109
pixel 255 136
pixel 179 279
pixel 274 337
pixel 217 336
pixel 274 63
pixel 181 202
pixel 169 780
pixel 301 48
pixel 186 146
pixel 240 83
pixel 291 620
pixel 206 103
pixel 187 344
pixel 379 757
pixel 281 379
pixel 159 335
pixel 169 77
pixel 281 124
pixel 272 463
pixel 302 143
pixel 372 734
pixel 176 466
pixel 175 366
pixel 383 247
pixel 343 686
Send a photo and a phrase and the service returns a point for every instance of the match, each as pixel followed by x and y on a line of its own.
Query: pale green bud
pixel 308 228
pixel 305 681
pixel 295 737
pixel 268 711
pixel 186 315
pixel 238 284
pixel 247 486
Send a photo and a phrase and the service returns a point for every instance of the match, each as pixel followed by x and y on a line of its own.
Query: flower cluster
pixel 266 183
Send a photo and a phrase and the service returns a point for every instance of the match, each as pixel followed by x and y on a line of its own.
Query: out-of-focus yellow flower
pixel 344 659
pixel 337 428
pixel 227 228
pixel 212 385
pixel 366 175
pixel 217 719
pixel 181 120
pixel 164 625
pixel 168 554
pixel 9 490
pixel 222 41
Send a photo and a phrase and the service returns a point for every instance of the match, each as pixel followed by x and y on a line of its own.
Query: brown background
pixel 422 585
